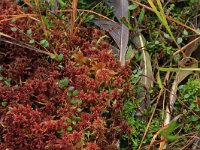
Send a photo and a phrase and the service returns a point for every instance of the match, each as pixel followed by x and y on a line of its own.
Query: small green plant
pixel 7 81
pixel 29 31
pixel 13 29
pixel 189 92
pixel 189 96
pixel 44 43
pixel 60 57
pixel 168 132
pixel 72 92
pixel 32 41
pixel 138 125
pixel 63 83
pixel 76 101
pixel 4 104
pixel 69 128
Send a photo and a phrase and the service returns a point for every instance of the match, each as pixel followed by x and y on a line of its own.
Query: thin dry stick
pixel 21 11
pixel 155 136
pixel 81 21
pixel 184 47
pixel 5 35
pixel 83 10
pixel 159 96
pixel 148 125
pixel 28 4
pixel 189 143
pixel 181 138
pixel 24 45
pixel 73 16
pixel 17 17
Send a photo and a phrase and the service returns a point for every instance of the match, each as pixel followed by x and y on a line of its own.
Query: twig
pixel 83 10
pixel 24 45
pixel 73 16
pixel 148 125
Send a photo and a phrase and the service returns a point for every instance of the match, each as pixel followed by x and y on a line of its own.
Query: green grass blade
pixel 161 15
pixel 179 69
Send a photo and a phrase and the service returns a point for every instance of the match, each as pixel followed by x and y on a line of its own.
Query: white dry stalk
pixel 172 100
pixel 180 76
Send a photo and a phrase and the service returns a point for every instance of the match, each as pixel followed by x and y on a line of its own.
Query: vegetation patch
pixel 97 75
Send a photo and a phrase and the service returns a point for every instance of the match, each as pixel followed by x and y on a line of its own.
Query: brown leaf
pixel 79 57
pixel 98 66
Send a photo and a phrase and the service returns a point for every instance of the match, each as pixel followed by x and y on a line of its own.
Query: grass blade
pixel 161 15
pixel 178 69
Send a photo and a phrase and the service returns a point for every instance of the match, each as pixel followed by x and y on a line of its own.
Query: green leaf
pixel 1 78
pixel 79 109
pixel 181 87
pixel 32 41
pixel 73 102
pixel 69 128
pixel 52 56
pixel 69 94
pixel 172 138
pixel 51 3
pixel 61 3
pixel 76 118
pixel 46 22
pixel 77 101
pixel 69 120
pixel 126 23
pixel 185 32
pixel 141 17
pixel 129 53
pixel 21 31
pixel 75 93
pixel 197 127
pixel 7 81
pixel 60 131
pixel 179 40
pixel 89 18
pixel 44 43
pixel 60 57
pixel 29 31
pixel 13 29
pixel 166 36
pixel 157 42
pixel 186 96
pixel 171 127
pixel 132 7
pixel 63 83
pixel 74 122
pixel 159 80
pixel 1 67
pixel 4 104
pixel 194 118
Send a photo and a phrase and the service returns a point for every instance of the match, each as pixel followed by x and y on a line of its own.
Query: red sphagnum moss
pixel 36 112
